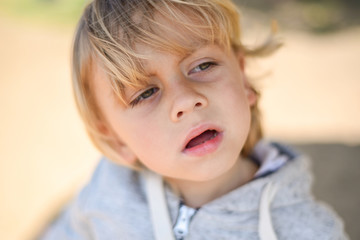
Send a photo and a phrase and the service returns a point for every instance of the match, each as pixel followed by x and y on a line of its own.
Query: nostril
pixel 179 114
pixel 198 104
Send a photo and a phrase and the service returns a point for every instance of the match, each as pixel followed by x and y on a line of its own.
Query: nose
pixel 186 100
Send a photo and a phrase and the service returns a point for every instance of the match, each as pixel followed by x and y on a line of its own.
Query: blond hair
pixel 109 29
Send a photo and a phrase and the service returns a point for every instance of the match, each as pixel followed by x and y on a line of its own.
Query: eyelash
pixel 144 95
pixel 199 68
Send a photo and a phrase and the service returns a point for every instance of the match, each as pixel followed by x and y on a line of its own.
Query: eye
pixel 144 95
pixel 202 67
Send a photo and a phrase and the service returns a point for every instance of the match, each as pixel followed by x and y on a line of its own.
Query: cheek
pixel 235 94
pixel 237 106
pixel 138 134
pixel 144 138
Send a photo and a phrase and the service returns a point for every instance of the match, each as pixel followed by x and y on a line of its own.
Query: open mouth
pixel 202 138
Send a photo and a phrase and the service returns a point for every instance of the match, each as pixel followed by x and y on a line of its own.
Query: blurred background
pixel 310 99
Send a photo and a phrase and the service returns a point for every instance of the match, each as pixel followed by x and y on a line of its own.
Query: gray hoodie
pixel 114 206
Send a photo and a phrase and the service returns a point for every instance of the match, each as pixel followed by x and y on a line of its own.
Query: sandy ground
pixel 312 95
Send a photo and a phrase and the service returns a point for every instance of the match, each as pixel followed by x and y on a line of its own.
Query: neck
pixel 196 194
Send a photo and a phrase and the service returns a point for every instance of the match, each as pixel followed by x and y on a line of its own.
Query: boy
pixel 160 85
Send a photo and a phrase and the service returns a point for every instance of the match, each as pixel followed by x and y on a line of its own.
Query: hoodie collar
pixel 278 164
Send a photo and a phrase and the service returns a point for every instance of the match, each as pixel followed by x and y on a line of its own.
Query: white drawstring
pixel 159 212
pixel 266 230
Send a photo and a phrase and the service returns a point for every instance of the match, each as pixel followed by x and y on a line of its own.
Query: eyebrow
pixel 187 53
pixel 199 50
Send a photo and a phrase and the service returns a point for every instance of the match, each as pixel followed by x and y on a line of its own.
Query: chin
pixel 214 172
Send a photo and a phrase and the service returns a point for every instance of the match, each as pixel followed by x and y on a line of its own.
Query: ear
pixel 249 90
pixel 251 94
pixel 124 152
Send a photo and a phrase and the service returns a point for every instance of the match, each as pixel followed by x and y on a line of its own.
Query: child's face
pixel 192 120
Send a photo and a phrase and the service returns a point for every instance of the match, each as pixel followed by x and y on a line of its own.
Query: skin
pixel 204 89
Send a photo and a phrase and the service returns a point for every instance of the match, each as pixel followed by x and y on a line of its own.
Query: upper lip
pixel 199 129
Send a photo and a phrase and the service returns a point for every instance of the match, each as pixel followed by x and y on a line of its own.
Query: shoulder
pixel 307 220
pixel 110 205
pixel 111 186
pixel 296 214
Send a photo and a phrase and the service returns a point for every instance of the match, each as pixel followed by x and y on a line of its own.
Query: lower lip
pixel 205 148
